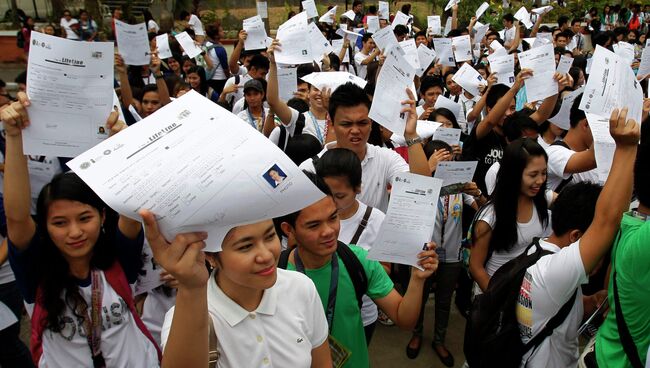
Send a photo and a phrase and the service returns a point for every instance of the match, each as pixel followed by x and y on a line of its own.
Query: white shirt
pixel 362 69
pixel 547 285
pixel 219 72
pixel 313 126
pixel 558 157
pixel 152 26
pixel 542 142
pixel 67 26
pixel 123 344
pixel 239 94
pixel 41 171
pixel 450 208
pixel 287 325
pixel 378 168
pixel 366 240
pixel 156 304
pixel 258 125
pixel 491 177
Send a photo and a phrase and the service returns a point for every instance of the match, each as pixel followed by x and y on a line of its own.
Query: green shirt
pixel 348 328
pixel 631 258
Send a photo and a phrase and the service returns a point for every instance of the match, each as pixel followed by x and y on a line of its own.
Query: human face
pixel 483 73
pixel 352 128
pixel 254 98
pixel 631 36
pixel 67 16
pixel 431 96
pixel 534 176
pixel 49 30
pixel 575 28
pixel 453 88
pixel 490 38
pixel 258 73
pixel 150 103
pixel 174 65
pixel 315 97
pixel 83 16
pixel 275 175
pixel 194 80
pixel 369 45
pixel 344 194
pixel 358 8
pixel 317 228
pixel 248 258
pixel 446 123
pixel 561 41
pixel 187 64
pixel 420 40
pixel 181 92
pixel 401 38
pixel 303 90
pixel 74 228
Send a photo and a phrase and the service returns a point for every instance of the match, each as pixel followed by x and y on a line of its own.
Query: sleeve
pixel 129 254
pixel 379 284
pixel 319 330
pixel 308 165
pixel 21 264
pixel 487 215
pixel 549 197
pixel 166 327
pixel 358 58
pixel 563 272
pixel 468 199
pixel 558 157
pixel 395 164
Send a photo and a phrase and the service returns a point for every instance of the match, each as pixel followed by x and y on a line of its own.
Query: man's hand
pixel 428 260
pixel 625 132
pixel 410 131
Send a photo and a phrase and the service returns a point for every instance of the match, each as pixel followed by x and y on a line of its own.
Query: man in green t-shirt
pixel 630 261
pixel 315 230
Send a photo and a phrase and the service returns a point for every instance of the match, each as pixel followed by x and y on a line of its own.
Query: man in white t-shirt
pixel 582 235
pixel 430 88
pixel 70 26
pixel 573 160
pixel 368 53
pixel 234 91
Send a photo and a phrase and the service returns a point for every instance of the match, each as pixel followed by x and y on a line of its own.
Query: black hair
pixel 445 113
pixel 340 162
pixel 576 20
pixel 51 268
pixel 21 78
pixel 148 88
pixel 400 30
pixel 298 104
pixel 303 70
pixel 184 14
pixel 259 61
pixel 372 9
pixel 562 20
pixel 420 33
pixel 357 2
pixel 427 82
pixel 366 37
pixel 508 17
pixel 574 207
pixel 320 184
pixel 495 93
pixel 147 16
pixel 302 147
pixel 406 8
pixel 576 114
pixel 203 87
pixel 347 95
pixel 505 197
pixel 212 31
pixel 432 146
pixel 515 125
pixel 642 166
pixel 335 61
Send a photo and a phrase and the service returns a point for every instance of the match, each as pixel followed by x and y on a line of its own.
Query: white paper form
pixel 481 9
pixel 133 43
pixel 384 10
pixel 410 53
pixel 310 8
pixel 329 16
pixel 523 16
pixel 409 221
pixel 197 167
pixel 447 26
pixel 604 145
pixel 351 36
pixel 189 46
pixel 564 65
pixel 162 45
pixel 319 44
pixel 425 130
pixel 117 106
pixel 462 47
pixel 455 172
pixel 262 9
pixel 504 67
pixel 350 14
pixel 337 45
pixel 541 61
pixel 561 119
pixel 333 80
pixel 450 105
pixel 385 39
pixel 426 56
pixel 394 77
pixel 256 33
pixel 70 85
pixel 434 24
pixel 150 279
pixel 481 31
pixel 542 39
pixel 644 66
pixel 400 18
pixel 625 51
pixel 287 83
pixel 444 51
pixel 542 10
pixel 451 3
pixel 373 23
pixel 451 136
pixel 468 78
pixel 295 47
pixel 615 87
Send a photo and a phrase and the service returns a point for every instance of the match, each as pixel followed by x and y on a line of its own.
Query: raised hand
pixel 625 131
pixel 15 116
pixel 428 260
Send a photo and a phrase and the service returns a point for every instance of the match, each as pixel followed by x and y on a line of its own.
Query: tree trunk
pixel 58 6
pixel 14 12
pixel 92 7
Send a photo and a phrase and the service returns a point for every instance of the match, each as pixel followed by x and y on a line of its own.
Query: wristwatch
pixel 412 141
pixel 158 76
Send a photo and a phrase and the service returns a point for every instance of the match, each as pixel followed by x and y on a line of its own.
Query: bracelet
pixel 412 141
pixel 158 76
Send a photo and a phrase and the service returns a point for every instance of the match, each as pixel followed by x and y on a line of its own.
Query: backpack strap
pixel 362 226
pixel 355 270
pixel 568 180
pixel 300 124
pixel 284 259
pixel 624 333
pixel 213 353
pixel 314 160
pixel 283 137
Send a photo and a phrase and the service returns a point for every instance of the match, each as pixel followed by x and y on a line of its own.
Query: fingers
pixel 23 99
pixel 112 119
pixel 151 229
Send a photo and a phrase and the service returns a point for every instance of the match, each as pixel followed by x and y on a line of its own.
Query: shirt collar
pixel 546 245
pixel 232 312
pixel 370 150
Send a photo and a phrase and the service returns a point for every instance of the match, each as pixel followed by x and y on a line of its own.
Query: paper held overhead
pixel 333 80
pixel 481 9
pixel 133 43
pixel 329 17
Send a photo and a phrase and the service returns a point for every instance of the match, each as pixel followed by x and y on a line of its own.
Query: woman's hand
pixel 428 260
pixel 113 124
pixel 15 117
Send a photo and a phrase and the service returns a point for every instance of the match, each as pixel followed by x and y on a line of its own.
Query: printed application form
pixel 256 34
pixel 162 45
pixel 197 167
pixel 604 145
pixel 541 61
pixel 294 43
pixel 133 43
pixel 70 85
pixel 409 221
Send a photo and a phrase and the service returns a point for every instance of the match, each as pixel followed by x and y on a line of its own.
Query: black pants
pixel 369 331
pixel 13 352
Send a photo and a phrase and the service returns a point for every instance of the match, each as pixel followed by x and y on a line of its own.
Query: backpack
pixel 231 101
pixel 492 337
pixel 352 265
pixel 20 39
pixel 568 180
pixel 283 142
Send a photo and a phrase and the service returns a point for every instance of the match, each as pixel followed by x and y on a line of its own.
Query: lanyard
pixel 334 283
pixel 93 322
pixel 316 127
pixel 253 121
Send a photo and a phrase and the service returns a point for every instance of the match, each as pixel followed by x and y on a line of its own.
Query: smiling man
pixel 348 110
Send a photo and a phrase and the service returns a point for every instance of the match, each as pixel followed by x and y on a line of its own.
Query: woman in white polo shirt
pixel 262 316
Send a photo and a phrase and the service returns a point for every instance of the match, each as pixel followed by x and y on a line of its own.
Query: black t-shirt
pixel 486 151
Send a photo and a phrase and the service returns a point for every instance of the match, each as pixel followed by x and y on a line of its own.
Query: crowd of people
pixel 300 290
